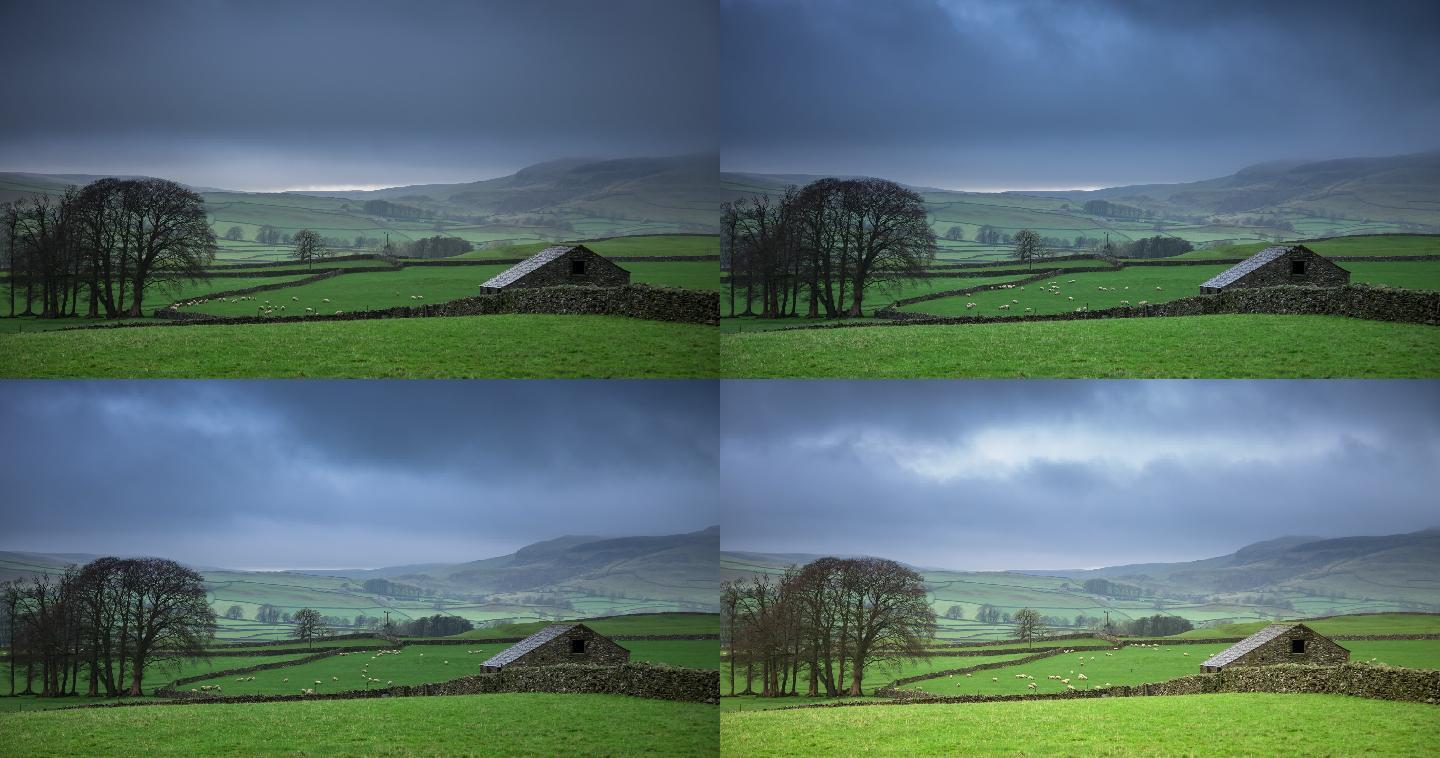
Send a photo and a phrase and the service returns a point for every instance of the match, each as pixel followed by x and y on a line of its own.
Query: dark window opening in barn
pixel 1297 646
pixel 577 268
pixel 1297 268
pixel 577 646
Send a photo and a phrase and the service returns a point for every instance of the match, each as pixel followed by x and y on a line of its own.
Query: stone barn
pixel 559 643
pixel 1281 264
pixel 562 264
pixel 1279 643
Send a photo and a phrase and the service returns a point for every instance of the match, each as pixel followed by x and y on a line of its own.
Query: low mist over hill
pixel 566 577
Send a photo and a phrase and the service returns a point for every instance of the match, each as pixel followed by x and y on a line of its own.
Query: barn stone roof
pixel 1255 261
pixel 530 264
pixel 509 654
pixel 1229 654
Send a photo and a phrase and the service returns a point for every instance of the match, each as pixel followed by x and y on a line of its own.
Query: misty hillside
pixel 1400 187
pixel 679 568
pixel 1400 566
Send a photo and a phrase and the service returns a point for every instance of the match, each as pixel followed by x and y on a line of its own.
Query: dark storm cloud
pixel 271 94
pixel 1052 93
pixel 992 475
pixel 344 474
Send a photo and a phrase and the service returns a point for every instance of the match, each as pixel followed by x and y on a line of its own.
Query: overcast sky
pixel 265 94
pixel 1045 94
pixel 1072 474
pixel 310 474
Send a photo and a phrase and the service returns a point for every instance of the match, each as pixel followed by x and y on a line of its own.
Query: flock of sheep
pixel 1053 288
pixel 1080 677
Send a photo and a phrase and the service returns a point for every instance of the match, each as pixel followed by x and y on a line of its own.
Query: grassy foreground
pixel 1227 724
pixel 1229 346
pixel 502 724
pixel 504 346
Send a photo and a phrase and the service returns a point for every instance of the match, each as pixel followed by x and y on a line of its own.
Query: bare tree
pixel 1028 246
pixel 308 246
pixel 167 615
pixel 1028 624
pixel 308 625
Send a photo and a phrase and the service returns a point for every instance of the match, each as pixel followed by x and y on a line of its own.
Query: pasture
pixel 1133 285
pixel 1253 724
pixel 466 725
pixel 1382 244
pixel 501 346
pixel 1133 664
pixel 1226 346
pixel 1359 624
pixel 630 624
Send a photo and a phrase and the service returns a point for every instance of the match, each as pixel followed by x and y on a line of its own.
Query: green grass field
pixel 1224 725
pixel 1229 346
pixel 678 244
pixel 1354 245
pixel 469 725
pixel 1156 284
pixel 505 346
pixel 1366 623
pixel 637 624
pixel 1139 665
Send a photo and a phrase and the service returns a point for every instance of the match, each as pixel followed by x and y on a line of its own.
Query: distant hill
pixel 566 577
pixel 558 200
pixel 1402 188
pixel 1402 567
pixel 1286 577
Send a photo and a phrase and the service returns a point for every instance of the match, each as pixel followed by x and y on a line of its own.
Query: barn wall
pixel 1318 272
pixel 1318 651
pixel 598 650
pixel 599 272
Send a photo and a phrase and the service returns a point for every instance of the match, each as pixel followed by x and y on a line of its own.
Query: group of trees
pixel 829 622
pixel 1158 625
pixel 438 246
pixel 1108 588
pixel 1115 210
pixel 103 625
pixel 1154 247
pixel 97 249
pixel 438 625
pixel 821 246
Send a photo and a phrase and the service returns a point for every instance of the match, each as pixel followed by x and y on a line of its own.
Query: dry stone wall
pixel 1354 301
pixel 635 680
pixel 1378 682
pixel 635 300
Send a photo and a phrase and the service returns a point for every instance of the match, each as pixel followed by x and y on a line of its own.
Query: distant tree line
pixel 1115 210
pixel 395 589
pixel 1108 588
pixel 828 622
pixel 96 250
pixel 103 625
pixel 1158 625
pixel 815 250
pixel 438 246
pixel 394 210
pixel 1154 247
pixel 438 625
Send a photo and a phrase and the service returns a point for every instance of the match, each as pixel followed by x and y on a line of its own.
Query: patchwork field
pixel 1253 724
pixel 1155 284
pixel 503 346
pixel 636 624
pixel 499 724
pixel 418 664
pixel 1358 624
pixel 1228 346
pixel 1138 665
